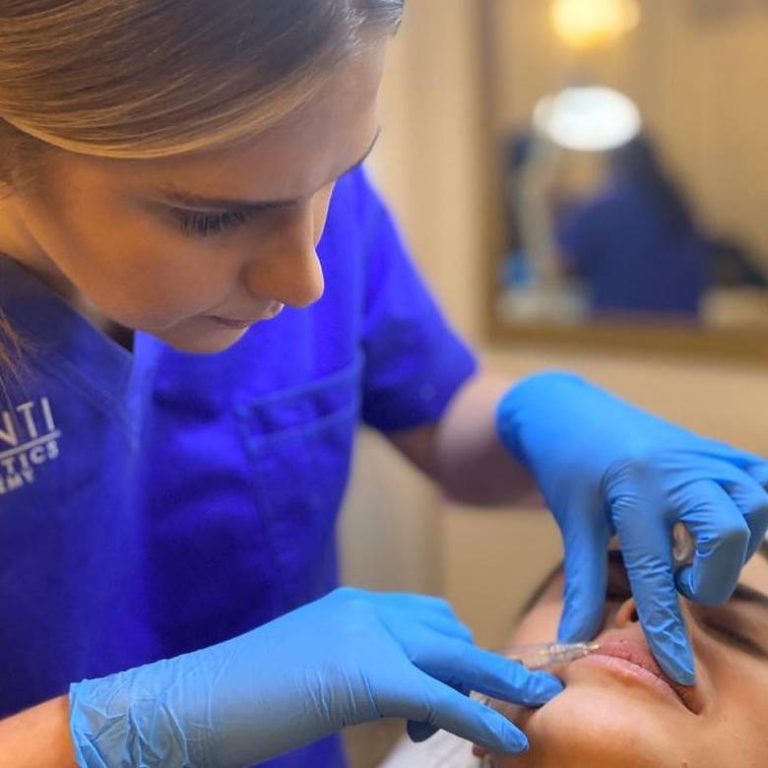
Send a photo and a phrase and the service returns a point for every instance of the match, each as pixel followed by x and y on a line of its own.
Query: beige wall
pixel 428 162
pixel 430 168
pixel 701 87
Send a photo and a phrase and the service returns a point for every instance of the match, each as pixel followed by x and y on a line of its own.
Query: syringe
pixel 549 654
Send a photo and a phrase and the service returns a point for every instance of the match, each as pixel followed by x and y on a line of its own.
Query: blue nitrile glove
pixel 606 467
pixel 348 658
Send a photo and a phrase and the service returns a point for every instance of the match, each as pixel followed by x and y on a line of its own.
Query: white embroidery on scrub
pixel 29 438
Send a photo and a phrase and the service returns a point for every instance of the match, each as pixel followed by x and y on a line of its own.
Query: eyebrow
pixel 172 194
pixel 752 596
pixel 741 640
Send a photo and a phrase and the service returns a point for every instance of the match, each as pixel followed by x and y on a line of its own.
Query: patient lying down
pixel 618 710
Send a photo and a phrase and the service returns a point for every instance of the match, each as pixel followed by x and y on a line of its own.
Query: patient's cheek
pixel 540 625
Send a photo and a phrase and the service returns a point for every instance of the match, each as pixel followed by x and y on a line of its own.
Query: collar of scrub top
pixel 58 336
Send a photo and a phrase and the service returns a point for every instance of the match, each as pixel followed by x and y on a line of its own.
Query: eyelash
pixel 743 642
pixel 200 224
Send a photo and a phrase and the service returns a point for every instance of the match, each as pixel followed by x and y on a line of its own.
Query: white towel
pixel 443 750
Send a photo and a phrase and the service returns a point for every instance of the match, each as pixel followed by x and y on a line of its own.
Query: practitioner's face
pixel 136 240
pixel 614 714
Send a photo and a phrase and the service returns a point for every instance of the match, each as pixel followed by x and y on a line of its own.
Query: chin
pixel 201 343
pixel 593 729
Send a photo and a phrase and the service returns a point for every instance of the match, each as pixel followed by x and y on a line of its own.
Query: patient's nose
pixel 627 614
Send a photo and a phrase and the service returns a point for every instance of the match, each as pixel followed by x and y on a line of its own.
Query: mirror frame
pixel 727 344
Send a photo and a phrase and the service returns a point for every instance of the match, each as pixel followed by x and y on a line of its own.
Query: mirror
pixel 628 150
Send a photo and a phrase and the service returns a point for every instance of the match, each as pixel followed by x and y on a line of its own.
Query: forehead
pixel 292 160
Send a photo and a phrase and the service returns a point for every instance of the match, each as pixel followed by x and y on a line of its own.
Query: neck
pixel 18 244
pixel 78 302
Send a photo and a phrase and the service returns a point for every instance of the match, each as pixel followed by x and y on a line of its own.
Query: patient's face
pixel 615 713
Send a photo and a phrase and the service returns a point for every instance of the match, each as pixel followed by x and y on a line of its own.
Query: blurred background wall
pixel 397 533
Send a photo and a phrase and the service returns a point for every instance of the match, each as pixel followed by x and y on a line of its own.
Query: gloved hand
pixel 606 467
pixel 348 658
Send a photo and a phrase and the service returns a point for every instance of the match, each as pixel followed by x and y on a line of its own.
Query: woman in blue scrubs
pixel 167 176
pixel 637 227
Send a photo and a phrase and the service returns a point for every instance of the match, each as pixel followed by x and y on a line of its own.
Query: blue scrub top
pixel 635 257
pixel 72 541
pixel 208 487
pixel 254 445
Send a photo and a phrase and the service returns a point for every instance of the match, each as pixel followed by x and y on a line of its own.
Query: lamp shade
pixel 588 119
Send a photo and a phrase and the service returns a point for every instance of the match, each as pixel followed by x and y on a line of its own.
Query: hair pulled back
pixel 143 79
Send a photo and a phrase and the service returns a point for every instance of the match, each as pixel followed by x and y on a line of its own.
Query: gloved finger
pixel 752 501
pixel 759 473
pixel 420 603
pixel 418 732
pixel 408 627
pixel 427 611
pixel 748 493
pixel 441 707
pixel 722 537
pixel 744 490
pixel 469 667
pixel 744 460
pixel 647 551
pixel 449 628
pixel 586 574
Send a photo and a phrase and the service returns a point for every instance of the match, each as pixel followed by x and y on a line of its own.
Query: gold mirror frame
pixel 727 344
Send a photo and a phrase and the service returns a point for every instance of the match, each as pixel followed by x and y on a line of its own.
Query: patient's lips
pixel 632 659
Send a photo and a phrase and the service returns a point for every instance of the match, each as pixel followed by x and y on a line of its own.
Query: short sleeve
pixel 414 361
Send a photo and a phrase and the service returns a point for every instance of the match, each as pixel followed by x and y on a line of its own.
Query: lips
pixel 633 658
pixel 234 324
pixel 270 313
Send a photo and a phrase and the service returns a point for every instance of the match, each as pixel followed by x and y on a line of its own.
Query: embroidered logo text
pixel 28 438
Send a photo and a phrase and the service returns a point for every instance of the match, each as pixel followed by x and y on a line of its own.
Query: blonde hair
pixel 143 79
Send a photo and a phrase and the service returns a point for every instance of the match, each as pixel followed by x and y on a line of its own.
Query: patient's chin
pixel 580 729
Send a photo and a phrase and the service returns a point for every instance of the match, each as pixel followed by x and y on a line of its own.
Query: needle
pixel 549 654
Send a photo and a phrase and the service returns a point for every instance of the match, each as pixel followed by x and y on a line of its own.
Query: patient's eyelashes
pixel 741 623
pixel 725 631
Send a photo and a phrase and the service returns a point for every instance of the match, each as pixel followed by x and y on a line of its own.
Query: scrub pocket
pixel 300 442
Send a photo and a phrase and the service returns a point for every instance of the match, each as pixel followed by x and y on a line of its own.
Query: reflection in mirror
pixel 632 136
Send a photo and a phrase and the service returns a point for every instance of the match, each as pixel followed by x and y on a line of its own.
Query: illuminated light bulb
pixel 584 24
pixel 588 119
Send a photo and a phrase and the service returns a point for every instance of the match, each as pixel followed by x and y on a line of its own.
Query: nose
pixel 627 614
pixel 287 268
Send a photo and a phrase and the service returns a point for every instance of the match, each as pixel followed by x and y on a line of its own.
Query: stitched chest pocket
pixel 299 443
